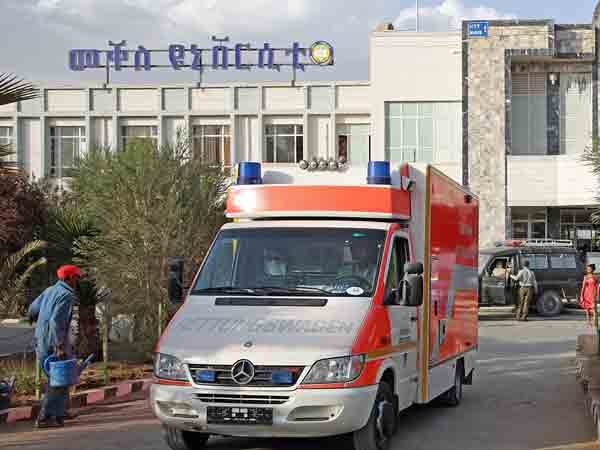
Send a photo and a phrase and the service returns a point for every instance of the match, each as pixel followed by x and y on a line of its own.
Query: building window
pixel 354 142
pixel 575 112
pixel 6 139
pixel 423 132
pixel 529 223
pixel 66 145
pixel 285 143
pixel 212 143
pixel 529 114
pixel 129 132
pixel 576 225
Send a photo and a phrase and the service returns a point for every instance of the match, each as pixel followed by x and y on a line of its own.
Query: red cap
pixel 68 271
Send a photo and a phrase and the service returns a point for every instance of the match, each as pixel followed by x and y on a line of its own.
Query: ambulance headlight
pixel 335 370
pixel 168 367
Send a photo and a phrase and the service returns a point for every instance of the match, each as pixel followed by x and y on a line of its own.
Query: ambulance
pixel 333 301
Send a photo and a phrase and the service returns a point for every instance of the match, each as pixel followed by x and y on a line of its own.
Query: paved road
pixel 525 397
pixel 15 338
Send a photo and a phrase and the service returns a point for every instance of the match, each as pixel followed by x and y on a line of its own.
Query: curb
pixel 10 321
pixel 588 375
pixel 79 400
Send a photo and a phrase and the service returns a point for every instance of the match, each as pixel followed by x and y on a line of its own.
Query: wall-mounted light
pixel 553 77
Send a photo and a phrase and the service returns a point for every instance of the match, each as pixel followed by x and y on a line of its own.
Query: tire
pixel 377 433
pixel 453 396
pixel 549 304
pixel 184 440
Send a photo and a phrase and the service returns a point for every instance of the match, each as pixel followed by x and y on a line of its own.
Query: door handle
pixel 414 319
pixel 435 308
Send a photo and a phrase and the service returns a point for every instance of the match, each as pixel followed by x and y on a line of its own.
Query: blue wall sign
pixel 222 55
pixel 479 29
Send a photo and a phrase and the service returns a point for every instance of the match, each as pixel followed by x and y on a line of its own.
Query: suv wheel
pixel 549 304
pixel 184 440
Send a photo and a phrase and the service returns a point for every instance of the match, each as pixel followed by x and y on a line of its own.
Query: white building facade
pixel 429 99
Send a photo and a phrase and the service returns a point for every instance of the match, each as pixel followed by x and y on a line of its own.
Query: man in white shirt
pixel 528 285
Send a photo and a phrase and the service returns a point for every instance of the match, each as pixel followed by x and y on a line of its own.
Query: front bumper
pixel 307 412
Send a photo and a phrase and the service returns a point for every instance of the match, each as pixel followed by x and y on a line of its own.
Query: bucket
pixel 64 373
pixel 6 388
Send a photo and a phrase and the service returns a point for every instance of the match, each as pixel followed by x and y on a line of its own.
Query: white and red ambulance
pixel 328 307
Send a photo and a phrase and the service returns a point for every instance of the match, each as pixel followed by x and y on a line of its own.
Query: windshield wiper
pixel 232 290
pixel 295 290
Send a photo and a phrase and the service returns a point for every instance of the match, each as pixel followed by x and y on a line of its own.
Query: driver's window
pixel 398 258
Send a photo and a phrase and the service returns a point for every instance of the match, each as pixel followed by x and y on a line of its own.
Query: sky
pixel 38 34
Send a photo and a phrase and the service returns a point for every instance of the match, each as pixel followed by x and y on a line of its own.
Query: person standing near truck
pixel 528 286
pixel 53 310
pixel 589 288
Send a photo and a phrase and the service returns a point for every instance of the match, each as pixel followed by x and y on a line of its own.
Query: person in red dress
pixel 588 289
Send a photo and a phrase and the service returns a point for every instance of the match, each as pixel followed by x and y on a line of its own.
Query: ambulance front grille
pixel 232 399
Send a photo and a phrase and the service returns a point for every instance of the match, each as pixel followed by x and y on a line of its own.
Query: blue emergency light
pixel 282 377
pixel 206 376
pixel 379 172
pixel 249 173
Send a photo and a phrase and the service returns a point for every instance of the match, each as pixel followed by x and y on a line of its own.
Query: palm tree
pixel 12 90
pixel 14 274
pixel 67 229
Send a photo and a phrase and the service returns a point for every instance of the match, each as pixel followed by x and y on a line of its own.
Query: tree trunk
pixel 89 341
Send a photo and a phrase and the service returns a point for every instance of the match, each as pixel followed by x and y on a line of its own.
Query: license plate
pixel 225 415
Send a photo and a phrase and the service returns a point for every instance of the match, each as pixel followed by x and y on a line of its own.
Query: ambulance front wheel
pixel 378 432
pixel 184 440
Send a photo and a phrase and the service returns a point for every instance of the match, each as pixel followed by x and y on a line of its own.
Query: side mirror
pixel 175 280
pixel 413 268
pixel 412 290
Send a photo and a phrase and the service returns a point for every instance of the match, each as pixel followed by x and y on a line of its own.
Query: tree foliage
pixel 591 159
pixel 149 203
pixel 15 270
pixel 12 90
pixel 22 211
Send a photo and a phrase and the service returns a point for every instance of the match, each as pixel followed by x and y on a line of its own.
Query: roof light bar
pixel 379 172
pixel 249 173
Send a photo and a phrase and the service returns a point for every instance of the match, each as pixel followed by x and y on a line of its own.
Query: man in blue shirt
pixel 53 310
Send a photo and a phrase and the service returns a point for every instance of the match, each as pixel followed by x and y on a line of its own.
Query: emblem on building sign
pixel 321 53
pixel 242 372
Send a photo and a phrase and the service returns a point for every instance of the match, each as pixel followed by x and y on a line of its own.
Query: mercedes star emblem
pixel 242 372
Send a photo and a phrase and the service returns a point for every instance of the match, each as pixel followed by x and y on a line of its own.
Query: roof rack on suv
pixel 548 243
pixel 536 243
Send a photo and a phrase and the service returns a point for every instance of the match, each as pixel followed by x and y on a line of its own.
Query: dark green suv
pixel 557 266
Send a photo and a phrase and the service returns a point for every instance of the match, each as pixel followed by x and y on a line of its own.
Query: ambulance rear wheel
pixel 453 396
pixel 184 440
pixel 378 432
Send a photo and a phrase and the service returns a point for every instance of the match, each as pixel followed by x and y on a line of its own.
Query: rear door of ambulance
pixel 451 281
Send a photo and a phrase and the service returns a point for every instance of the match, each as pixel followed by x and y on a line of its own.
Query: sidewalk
pixel 588 373
pixel 109 394
pixel 506 313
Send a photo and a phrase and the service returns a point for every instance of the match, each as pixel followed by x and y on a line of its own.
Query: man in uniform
pixel 528 286
pixel 53 310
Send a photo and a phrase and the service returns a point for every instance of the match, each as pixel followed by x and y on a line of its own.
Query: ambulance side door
pixel 403 323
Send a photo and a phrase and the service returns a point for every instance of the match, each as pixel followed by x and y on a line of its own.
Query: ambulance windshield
pixel 326 262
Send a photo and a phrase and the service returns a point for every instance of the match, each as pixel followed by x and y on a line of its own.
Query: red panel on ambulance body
pixel 368 202
pixel 454 232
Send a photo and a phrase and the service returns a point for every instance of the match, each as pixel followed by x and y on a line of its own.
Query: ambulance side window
pixel 398 258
